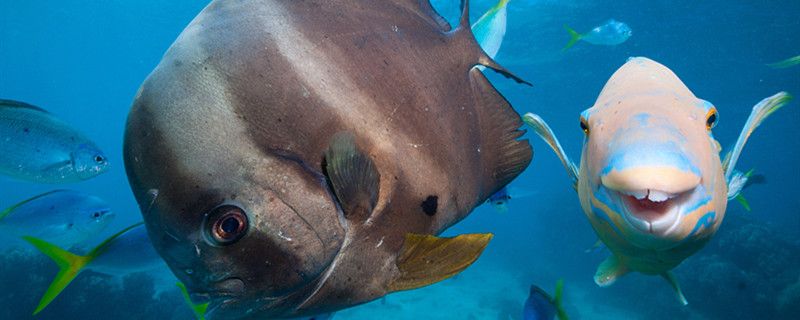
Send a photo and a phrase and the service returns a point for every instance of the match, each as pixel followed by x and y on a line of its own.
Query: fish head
pixel 246 227
pixel 650 161
pixel 93 216
pixel 89 161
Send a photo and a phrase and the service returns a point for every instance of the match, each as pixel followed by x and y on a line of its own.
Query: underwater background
pixel 84 61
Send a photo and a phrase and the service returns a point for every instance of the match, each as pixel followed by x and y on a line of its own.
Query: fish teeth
pixel 658 196
pixel 638 194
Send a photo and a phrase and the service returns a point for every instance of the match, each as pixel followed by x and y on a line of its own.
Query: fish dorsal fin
pixel 427 259
pixel 5 103
pixel 504 156
pixel 543 131
pixel 609 271
pixel 673 282
pixel 11 209
pixel 69 264
pixel 760 112
pixel 427 12
pixel 352 175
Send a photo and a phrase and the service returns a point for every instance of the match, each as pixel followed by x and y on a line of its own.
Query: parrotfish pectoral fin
pixel 426 259
pixel 609 271
pixel 574 38
pixel 760 112
pixel 670 277
pixel 490 29
pixel 199 310
pixel 543 130
pixel 353 176
pixel 557 300
pixel 69 264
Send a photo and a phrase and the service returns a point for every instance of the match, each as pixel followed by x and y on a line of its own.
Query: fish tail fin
pixel 198 309
pixel 69 264
pixel 574 38
pixel 558 298
pixel 463 33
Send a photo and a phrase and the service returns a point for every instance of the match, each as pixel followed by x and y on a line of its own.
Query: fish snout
pixel 663 180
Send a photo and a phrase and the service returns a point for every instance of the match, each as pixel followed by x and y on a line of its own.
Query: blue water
pixel 84 60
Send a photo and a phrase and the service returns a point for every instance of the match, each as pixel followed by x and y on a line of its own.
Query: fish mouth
pixel 652 211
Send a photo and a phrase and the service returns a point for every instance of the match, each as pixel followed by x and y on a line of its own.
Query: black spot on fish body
pixel 26 130
pixel 430 205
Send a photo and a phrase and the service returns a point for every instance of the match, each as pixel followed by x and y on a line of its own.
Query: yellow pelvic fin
pixel 609 271
pixel 426 259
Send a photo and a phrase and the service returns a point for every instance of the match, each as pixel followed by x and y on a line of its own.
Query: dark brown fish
pixel 293 158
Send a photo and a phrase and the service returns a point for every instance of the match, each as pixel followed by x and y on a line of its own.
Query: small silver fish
pixel 611 33
pixel 36 146
pixel 64 217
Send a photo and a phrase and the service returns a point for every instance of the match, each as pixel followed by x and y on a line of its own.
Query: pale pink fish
pixel 651 180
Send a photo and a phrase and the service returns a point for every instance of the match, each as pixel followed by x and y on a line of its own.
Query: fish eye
pixel 99 159
pixel 96 214
pixel 584 125
pixel 711 118
pixel 228 224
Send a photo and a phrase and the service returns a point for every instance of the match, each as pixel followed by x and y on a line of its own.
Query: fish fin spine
pixel 427 259
pixel 673 282
pixel 574 38
pixel 69 264
pixel 504 155
pixel 353 176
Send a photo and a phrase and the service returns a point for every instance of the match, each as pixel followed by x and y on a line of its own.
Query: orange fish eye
pixel 711 118
pixel 584 125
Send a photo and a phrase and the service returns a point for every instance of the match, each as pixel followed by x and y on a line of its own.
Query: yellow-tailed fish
pixel 126 251
pixel 650 179
pixel 198 309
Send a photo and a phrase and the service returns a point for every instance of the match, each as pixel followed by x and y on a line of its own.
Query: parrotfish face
pixel 88 161
pixel 651 165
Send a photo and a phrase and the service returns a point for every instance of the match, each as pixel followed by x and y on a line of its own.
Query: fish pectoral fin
pixel 69 264
pixel 543 131
pixel 503 155
pixel 427 259
pixel 670 277
pixel 760 112
pixel 609 271
pixel 352 175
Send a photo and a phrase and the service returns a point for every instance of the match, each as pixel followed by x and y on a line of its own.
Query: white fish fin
pixel 736 183
pixel 543 130
pixel 670 277
pixel 761 111
pixel 490 29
